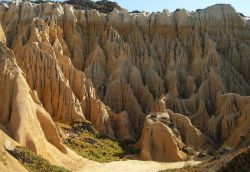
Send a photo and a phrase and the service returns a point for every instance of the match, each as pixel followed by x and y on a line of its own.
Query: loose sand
pixel 134 166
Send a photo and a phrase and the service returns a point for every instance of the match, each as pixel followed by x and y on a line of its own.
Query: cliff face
pixel 114 69
pixel 24 119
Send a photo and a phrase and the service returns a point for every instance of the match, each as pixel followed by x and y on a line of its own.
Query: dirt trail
pixel 134 166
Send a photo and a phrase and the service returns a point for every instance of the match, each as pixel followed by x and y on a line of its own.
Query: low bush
pixel 87 142
pixel 33 162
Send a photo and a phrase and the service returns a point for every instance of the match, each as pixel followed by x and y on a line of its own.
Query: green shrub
pixel 33 162
pixel 103 6
pixel 87 142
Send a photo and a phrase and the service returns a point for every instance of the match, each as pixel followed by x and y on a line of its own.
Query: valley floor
pixel 134 166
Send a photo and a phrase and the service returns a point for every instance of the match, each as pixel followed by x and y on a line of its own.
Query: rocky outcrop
pixel 160 140
pixel 233 113
pixel 191 136
pixel 123 127
pixel 167 135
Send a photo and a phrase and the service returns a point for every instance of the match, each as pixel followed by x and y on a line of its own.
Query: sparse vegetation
pixel 178 9
pixel 103 6
pixel 231 162
pixel 241 14
pixel 189 150
pixel 33 162
pixel 87 142
pixel 135 11
pixel 198 10
pixel 239 162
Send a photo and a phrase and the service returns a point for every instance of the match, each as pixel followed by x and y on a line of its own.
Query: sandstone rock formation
pixel 114 69
pixel 166 134
pixel 158 141
pixel 233 113
pixel 2 35
pixel 123 127
pixel 24 118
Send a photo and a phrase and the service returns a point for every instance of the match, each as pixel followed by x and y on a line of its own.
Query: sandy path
pixel 133 166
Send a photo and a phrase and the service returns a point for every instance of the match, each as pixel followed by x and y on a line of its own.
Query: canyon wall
pixel 115 69
pixel 24 121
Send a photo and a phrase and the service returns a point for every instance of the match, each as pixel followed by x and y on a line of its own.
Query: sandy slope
pixel 134 166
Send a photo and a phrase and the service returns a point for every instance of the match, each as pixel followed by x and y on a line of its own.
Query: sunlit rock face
pixel 115 69
pixel 24 119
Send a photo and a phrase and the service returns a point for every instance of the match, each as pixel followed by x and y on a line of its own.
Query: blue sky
pixel 242 6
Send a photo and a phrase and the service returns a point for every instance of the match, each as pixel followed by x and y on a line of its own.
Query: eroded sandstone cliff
pixel 23 117
pixel 115 69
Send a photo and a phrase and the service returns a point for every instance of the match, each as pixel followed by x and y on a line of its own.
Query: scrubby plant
pixel 189 150
pixel 241 14
pixel 33 162
pixel 87 142
pixel 237 163
pixel 103 6
pixel 135 11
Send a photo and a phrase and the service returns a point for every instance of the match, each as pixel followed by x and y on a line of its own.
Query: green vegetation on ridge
pixel 33 162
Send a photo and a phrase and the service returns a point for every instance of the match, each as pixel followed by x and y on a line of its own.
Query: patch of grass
pixel 87 142
pixel 33 162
